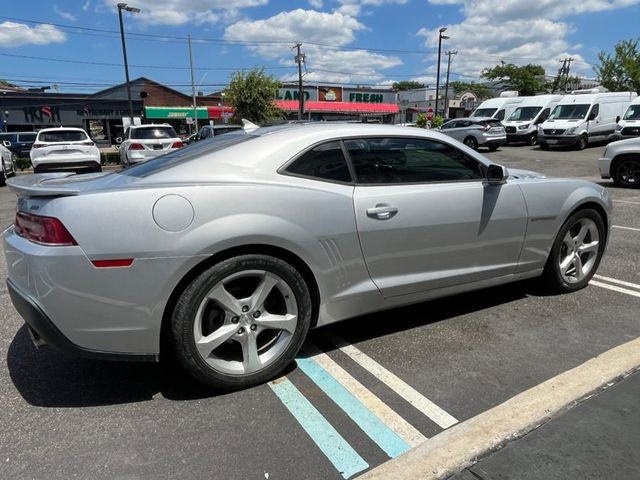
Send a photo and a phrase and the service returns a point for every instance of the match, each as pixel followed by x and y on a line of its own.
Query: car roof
pixel 57 129
pixel 151 125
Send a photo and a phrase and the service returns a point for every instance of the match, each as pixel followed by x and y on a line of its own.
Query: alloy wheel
pixel 579 250
pixel 245 322
pixel 628 172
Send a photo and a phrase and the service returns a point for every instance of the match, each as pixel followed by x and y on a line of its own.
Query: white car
pixel 143 142
pixel 621 162
pixel 64 149
pixel 7 165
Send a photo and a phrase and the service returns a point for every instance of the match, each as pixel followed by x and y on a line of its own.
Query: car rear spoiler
pixel 44 184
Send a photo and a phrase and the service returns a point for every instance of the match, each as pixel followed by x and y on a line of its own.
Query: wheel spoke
pixel 262 291
pixel 227 301
pixel 250 359
pixel 584 229
pixel 578 264
pixel 208 344
pixel 278 322
pixel 589 247
pixel 566 263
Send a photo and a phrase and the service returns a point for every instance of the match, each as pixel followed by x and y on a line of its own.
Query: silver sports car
pixel 227 252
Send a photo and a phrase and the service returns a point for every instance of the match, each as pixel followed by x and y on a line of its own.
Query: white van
pixel 581 118
pixel 629 125
pixel 498 108
pixel 522 125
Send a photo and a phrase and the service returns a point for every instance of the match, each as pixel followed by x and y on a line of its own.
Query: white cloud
pixel 66 15
pixel 17 34
pixel 180 12
pixel 316 3
pixel 354 7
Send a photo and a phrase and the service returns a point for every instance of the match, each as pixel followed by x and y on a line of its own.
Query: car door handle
pixel 382 211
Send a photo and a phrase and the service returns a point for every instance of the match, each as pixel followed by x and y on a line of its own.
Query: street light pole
pixel 121 7
pixel 193 88
pixel 446 85
pixel 440 38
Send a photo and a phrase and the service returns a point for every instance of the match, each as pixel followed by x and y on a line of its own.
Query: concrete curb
pixel 461 445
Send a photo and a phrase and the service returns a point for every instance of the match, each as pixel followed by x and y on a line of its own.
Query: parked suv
pixel 64 149
pixel 21 142
pixel 476 132
pixel 144 142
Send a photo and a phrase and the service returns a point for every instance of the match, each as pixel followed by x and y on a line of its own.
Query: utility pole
pixel 193 87
pixel 446 88
pixel 566 82
pixel 440 38
pixel 124 6
pixel 300 59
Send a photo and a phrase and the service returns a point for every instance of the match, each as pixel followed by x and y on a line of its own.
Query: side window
pixel 126 133
pixel 324 162
pixel 544 114
pixel 205 133
pixel 409 160
pixel 595 111
pixel 464 123
pixel 500 115
pixel 449 125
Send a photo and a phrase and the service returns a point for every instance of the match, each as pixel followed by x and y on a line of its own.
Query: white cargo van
pixel 629 124
pixel 499 108
pixel 522 125
pixel 581 118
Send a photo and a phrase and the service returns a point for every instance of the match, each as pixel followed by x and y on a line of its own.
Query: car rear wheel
pixel 626 172
pixel 576 252
pixel 471 143
pixel 242 321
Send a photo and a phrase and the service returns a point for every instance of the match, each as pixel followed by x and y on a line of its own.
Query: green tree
pixel 437 121
pixel 421 121
pixel 621 71
pixel 407 85
pixel 526 79
pixel 251 94
pixel 480 90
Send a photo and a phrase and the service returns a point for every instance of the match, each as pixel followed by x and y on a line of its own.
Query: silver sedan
pixel 226 253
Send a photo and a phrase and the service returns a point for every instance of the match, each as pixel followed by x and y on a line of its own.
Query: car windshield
pixel 632 113
pixel 182 155
pixel 569 112
pixel 485 112
pixel 522 114
pixel 151 133
pixel 62 136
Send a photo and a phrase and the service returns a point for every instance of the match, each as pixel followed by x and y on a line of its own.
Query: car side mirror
pixel 119 140
pixel 592 116
pixel 496 174
pixel 617 118
pixel 6 143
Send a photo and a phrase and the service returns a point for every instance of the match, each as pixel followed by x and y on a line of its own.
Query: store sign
pixel 175 113
pixel 292 94
pixel 46 114
pixel 330 94
pixel 358 96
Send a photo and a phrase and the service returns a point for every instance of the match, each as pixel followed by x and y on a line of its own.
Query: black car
pixel 209 131
pixel 21 142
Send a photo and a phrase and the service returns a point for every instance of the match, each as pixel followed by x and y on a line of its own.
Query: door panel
pixel 439 234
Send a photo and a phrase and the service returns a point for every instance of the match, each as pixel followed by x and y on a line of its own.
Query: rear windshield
pixel 27 137
pixel 490 123
pixel 485 112
pixel 186 154
pixel 632 113
pixel 524 114
pixel 62 136
pixel 152 133
pixel 569 112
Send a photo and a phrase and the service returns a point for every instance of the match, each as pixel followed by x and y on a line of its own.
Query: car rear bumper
pixel 492 141
pixel 44 332
pixel 78 167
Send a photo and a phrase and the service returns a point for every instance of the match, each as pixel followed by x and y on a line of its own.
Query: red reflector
pixel 136 146
pixel 43 230
pixel 121 262
pixel 177 144
pixel 38 145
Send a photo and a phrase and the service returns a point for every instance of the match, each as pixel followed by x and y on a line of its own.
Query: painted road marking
pixel 377 431
pixel 406 391
pixel 633 293
pixel 333 445
pixel 626 228
pixel 619 282
pixel 395 422
pixel 626 201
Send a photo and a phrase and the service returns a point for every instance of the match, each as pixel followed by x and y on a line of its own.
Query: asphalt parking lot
pixel 421 368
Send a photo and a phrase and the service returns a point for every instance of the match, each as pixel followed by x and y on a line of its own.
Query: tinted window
pixel 448 125
pixel 543 115
pixel 464 123
pixel 595 110
pixel 152 133
pixel 484 112
pixel 9 137
pixel 27 137
pixel 500 115
pixel 408 160
pixel 63 136
pixel 569 112
pixel 324 162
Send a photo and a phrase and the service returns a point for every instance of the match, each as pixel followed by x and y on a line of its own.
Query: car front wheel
pixel 242 321
pixel 576 252
pixel 626 172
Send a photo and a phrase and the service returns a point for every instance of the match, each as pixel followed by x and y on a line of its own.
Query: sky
pixel 74 46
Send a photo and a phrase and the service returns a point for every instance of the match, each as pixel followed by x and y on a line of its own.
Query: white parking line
pixel 619 282
pixel 406 391
pixel 626 201
pixel 626 228
pixel 395 422
pixel 633 293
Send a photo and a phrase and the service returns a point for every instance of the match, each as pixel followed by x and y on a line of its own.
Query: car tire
pixel 246 350
pixel 626 172
pixel 582 142
pixel 3 175
pixel 573 250
pixel 533 139
pixel 471 143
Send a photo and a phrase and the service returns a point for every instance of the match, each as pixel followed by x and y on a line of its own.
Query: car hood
pixel 66 183
pixel 519 174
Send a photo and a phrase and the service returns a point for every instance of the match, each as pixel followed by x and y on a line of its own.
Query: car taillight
pixel 136 146
pixel 177 144
pixel 88 144
pixel 38 145
pixel 43 230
